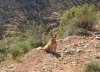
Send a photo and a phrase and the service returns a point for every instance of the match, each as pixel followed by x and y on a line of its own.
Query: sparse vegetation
pixel 37 36
pixel 23 43
pixel 35 42
pixel 92 67
pixel 25 46
pixel 19 49
pixel 28 24
pixel 3 53
pixel 78 20
pixel 16 51
pixel 31 39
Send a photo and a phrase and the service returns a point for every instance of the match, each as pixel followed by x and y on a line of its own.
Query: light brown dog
pixel 51 46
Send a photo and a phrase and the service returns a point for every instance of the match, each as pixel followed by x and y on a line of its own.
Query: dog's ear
pixel 51 35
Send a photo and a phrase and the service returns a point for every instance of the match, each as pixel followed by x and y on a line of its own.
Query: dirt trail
pixel 72 55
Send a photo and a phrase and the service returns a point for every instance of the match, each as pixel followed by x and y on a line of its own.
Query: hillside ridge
pixel 73 53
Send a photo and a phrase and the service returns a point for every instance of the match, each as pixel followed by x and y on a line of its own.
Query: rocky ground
pixel 73 53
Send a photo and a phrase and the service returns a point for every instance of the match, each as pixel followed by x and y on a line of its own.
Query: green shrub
pixel 78 31
pixel 16 51
pixel 36 42
pixel 25 46
pixel 81 17
pixel 2 49
pixel 92 67
pixel 32 39
pixel 3 53
pixel 79 27
pixel 37 36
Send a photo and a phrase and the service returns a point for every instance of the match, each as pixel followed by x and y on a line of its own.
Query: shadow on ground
pixel 57 55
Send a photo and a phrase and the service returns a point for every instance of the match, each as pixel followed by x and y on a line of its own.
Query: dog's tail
pixel 40 48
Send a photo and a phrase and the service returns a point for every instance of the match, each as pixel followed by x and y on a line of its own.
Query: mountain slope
pixel 45 12
pixel 37 9
pixel 73 53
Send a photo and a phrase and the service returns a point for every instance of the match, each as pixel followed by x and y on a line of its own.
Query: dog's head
pixel 53 37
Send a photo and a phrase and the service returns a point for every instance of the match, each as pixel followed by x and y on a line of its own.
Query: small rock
pixel 97 47
pixel 75 46
pixel 10 66
pixel 60 68
pixel 86 45
pixel 65 49
pixel 45 63
pixel 49 70
pixel 73 63
pixel 61 58
pixel 65 62
pixel 98 57
pixel 79 50
pixel 67 52
pixel 55 66
pixel 70 52
pixel 55 63
pixel 86 57
pixel 88 51
pixel 67 38
pixel 97 37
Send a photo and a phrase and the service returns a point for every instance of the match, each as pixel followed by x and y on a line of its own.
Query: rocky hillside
pixel 20 14
pixel 73 53
pixel 36 11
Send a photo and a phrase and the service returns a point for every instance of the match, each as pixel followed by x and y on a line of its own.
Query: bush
pixel 81 17
pixel 92 67
pixel 78 31
pixel 25 46
pixel 37 36
pixel 36 42
pixel 79 27
pixel 31 39
pixel 16 51
pixel 3 53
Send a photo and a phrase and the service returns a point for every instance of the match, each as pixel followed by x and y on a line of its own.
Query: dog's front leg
pixel 55 47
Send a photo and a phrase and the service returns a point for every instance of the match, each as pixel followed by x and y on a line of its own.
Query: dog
pixel 51 46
